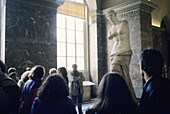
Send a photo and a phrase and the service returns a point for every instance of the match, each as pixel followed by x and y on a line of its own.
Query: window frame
pixel 85 44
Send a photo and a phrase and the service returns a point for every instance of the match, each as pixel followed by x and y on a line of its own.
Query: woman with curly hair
pixel 53 97
pixel 24 78
pixel 114 97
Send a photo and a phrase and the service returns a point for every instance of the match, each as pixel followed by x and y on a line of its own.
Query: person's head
pixel 3 67
pixel 111 15
pixel 12 69
pixel 13 75
pixel 62 71
pixel 53 88
pixel 52 71
pixel 28 68
pixel 25 75
pixel 113 94
pixel 37 72
pixel 74 66
pixel 151 61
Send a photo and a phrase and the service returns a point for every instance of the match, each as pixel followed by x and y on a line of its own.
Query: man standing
pixel 156 92
pixel 76 88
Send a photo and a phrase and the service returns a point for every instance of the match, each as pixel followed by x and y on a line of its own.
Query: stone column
pixel 31 34
pixel 138 15
pixel 98 48
pixel 2 31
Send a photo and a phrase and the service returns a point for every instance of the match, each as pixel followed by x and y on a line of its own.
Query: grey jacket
pixel 76 83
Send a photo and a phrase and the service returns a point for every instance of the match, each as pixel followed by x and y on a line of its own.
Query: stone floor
pixel 88 104
pixel 85 106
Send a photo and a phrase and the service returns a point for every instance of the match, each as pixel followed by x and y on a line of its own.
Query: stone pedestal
pixel 138 15
pixel 87 90
pixel 31 34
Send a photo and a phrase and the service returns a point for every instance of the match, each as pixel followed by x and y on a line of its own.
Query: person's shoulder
pixel 159 84
pixel 7 81
pixel 29 81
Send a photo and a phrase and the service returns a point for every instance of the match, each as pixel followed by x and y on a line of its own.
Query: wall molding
pixel 132 7
pixel 54 4
pixel 126 9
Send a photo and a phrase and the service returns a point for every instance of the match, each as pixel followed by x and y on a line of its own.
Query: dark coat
pixel 156 96
pixel 9 89
pixel 63 106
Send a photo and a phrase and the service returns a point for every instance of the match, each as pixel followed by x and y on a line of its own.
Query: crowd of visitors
pixel 32 95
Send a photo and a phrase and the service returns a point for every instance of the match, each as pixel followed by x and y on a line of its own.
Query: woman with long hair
pixel 53 97
pixel 63 72
pixel 114 97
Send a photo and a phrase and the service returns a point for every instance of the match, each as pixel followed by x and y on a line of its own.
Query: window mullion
pixel 75 44
pixel 66 39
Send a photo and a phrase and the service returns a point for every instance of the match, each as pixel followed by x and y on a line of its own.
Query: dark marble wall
pixel 30 35
pixel 160 42
pixel 102 47
pixel 157 40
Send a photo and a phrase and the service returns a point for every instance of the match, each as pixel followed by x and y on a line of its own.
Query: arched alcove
pixel 165 24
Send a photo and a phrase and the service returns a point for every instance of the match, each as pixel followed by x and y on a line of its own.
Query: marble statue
pixel 121 51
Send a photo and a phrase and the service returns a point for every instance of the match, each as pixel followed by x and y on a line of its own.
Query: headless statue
pixel 121 51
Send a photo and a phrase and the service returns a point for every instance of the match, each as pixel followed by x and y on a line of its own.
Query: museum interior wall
pixel 143 34
pixel 29 34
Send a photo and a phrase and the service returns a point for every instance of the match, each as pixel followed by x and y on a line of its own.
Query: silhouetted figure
pixel 53 97
pixel 13 75
pixel 63 72
pixel 12 71
pixel 76 79
pixel 114 97
pixel 9 92
pixel 156 91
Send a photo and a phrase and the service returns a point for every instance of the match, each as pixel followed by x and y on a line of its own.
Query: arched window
pixel 71 35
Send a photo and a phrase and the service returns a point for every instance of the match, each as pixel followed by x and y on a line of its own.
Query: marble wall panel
pixel 30 35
